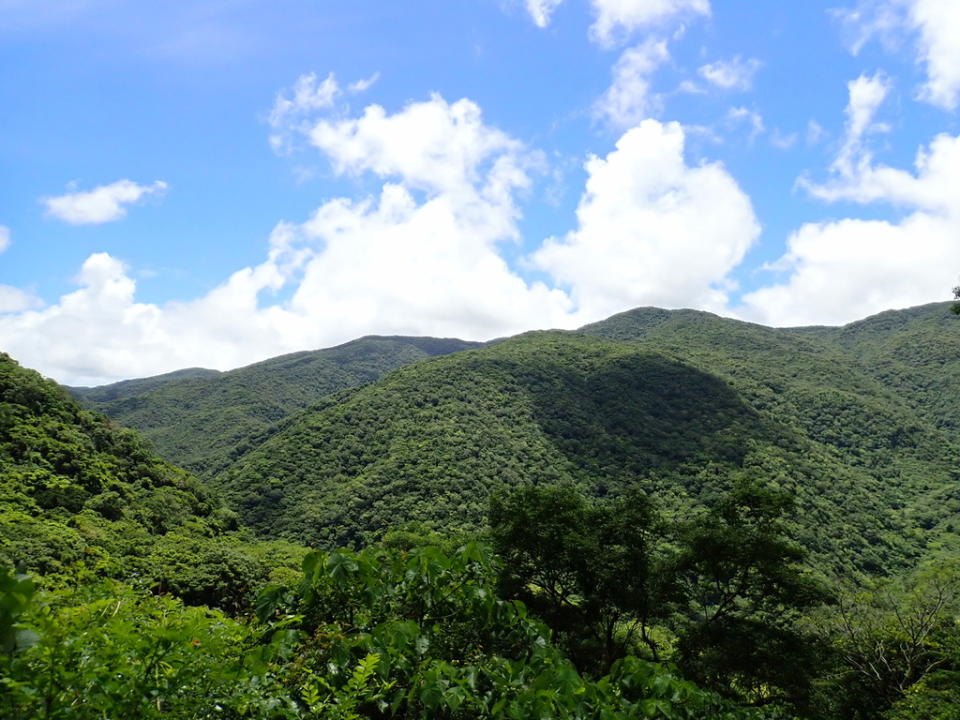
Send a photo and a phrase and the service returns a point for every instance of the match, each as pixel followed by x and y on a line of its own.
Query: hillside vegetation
pixel 678 403
pixel 664 515
pixel 80 497
pixel 196 418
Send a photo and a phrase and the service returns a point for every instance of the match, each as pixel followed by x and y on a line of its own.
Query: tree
pixel 956 295
pixel 589 568
pixel 898 642
pixel 745 588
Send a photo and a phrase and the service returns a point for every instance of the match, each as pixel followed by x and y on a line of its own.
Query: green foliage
pixel 745 587
pixel 936 697
pixel 594 571
pixel 424 634
pixel 109 652
pixel 728 584
pixel 674 403
pixel 79 496
pixel 200 419
pixel 374 634
pixel 897 644
pixel 431 440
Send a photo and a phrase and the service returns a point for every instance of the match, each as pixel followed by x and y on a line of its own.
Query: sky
pixel 209 183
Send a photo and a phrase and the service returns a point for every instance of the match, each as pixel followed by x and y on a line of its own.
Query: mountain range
pixel 340 446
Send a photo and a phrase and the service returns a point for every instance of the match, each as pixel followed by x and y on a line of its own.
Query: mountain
pixel 679 402
pixel 72 482
pixel 858 421
pixel 197 418
pixel 81 498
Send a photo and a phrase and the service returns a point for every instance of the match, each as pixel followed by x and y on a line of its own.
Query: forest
pixel 666 514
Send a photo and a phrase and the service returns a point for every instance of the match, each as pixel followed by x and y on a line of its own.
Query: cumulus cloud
pixel 617 19
pixel 652 229
pixel 842 270
pixel 938 23
pixel 363 84
pixel 734 74
pixel 418 257
pixel 845 270
pixel 854 158
pixel 629 98
pixel 103 204
pixel 421 255
pixel 294 105
pixel 14 300
pixel 933 26
pixel 4 238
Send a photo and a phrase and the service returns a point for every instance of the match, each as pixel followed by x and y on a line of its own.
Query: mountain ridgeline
pixel 540 523
pixel 198 418
pixel 858 423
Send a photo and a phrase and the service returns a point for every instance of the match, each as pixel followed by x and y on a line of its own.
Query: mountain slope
pixel 196 418
pixel 72 484
pixel 81 498
pixel 694 402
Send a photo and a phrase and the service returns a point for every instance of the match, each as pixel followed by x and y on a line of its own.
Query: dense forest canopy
pixel 667 515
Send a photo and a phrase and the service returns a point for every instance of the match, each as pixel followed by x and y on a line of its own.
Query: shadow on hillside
pixel 641 412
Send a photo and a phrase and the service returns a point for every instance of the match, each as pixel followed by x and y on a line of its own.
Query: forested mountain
pixel 79 495
pixel 677 402
pixel 196 418
pixel 142 600
pixel 537 524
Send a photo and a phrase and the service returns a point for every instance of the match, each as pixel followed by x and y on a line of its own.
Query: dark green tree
pixel 589 568
pixel 745 588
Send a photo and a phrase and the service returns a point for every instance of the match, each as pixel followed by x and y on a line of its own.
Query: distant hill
pixel 139 386
pixel 679 402
pixel 196 418
pixel 859 422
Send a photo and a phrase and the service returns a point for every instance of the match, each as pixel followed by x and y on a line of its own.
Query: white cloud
pixel 783 141
pixel 734 74
pixel 934 187
pixel 14 300
pixel 843 270
pixel 934 26
pixel 854 158
pixel 752 118
pixel 689 87
pixel 541 10
pixel 815 133
pixel 651 229
pixel 938 23
pixel 616 18
pixel 4 238
pixel 866 96
pixel 629 98
pixel 294 105
pixel 105 203
pixel 420 257
pixel 433 146
pixel 883 19
pixel 364 84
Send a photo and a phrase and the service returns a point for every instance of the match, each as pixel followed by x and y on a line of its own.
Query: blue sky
pixel 212 183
